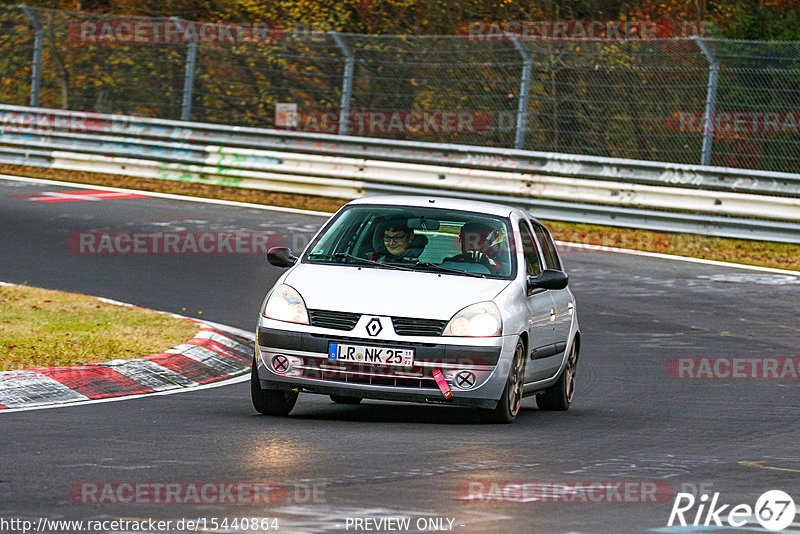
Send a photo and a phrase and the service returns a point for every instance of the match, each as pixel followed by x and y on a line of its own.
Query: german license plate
pixel 342 352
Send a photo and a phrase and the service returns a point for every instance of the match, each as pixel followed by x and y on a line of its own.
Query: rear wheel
pixel 341 399
pixel 509 405
pixel 270 401
pixel 559 396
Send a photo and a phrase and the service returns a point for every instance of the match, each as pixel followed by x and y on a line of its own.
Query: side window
pixel 530 250
pixel 548 247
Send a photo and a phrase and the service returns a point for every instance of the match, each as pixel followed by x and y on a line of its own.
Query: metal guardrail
pixel 662 196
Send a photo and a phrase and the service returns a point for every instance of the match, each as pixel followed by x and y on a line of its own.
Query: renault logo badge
pixel 374 327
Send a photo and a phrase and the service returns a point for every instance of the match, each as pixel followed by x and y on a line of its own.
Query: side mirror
pixel 281 257
pixel 548 279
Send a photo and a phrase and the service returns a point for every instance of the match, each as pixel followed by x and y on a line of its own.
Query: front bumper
pixel 305 349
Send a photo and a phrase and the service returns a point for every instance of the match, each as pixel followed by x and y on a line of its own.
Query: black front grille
pixel 376 375
pixel 405 326
pixel 333 319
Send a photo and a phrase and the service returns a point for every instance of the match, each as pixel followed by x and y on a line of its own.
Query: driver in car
pixel 399 242
pixel 475 240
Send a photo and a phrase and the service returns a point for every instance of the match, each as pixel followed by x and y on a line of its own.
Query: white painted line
pixel 658 255
pixel 226 382
pixel 325 214
pixel 232 329
pixel 167 195
pixel 118 303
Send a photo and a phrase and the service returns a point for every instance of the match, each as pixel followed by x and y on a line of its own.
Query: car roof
pixel 475 206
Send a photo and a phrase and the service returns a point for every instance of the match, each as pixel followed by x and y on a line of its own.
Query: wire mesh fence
pixel 687 100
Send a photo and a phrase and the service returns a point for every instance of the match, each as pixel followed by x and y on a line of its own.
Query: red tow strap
pixel 442 383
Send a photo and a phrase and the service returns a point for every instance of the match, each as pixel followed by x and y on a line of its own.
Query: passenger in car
pixel 395 242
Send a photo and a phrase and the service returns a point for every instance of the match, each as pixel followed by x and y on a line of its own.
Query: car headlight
pixel 285 304
pixel 478 320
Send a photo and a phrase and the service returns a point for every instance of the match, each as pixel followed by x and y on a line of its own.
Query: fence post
pixel 347 82
pixel 188 80
pixel 711 100
pixel 524 89
pixel 36 67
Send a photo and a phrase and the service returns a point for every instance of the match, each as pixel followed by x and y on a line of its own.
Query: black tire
pixel 270 401
pixel 341 399
pixel 509 405
pixel 559 396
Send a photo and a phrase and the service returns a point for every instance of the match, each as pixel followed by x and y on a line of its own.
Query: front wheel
pixel 508 407
pixel 559 396
pixel 270 401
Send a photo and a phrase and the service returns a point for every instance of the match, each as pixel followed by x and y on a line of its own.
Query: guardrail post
pixel 347 82
pixel 711 100
pixel 188 80
pixel 36 67
pixel 524 88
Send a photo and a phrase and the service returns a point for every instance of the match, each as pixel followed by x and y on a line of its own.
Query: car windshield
pixel 424 239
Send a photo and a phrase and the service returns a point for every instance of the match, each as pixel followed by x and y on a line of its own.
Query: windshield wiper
pixel 434 267
pixel 341 255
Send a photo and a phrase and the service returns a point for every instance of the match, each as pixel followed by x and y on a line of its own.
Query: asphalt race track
pixel 636 425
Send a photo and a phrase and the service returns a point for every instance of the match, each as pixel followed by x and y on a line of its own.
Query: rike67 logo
pixel 774 511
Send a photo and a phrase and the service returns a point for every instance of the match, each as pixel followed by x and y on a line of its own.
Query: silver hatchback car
pixel 420 299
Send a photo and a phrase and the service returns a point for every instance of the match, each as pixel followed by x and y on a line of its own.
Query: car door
pixel 541 311
pixel 564 305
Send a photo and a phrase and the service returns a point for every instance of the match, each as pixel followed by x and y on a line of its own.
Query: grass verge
pixel 47 328
pixel 761 253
